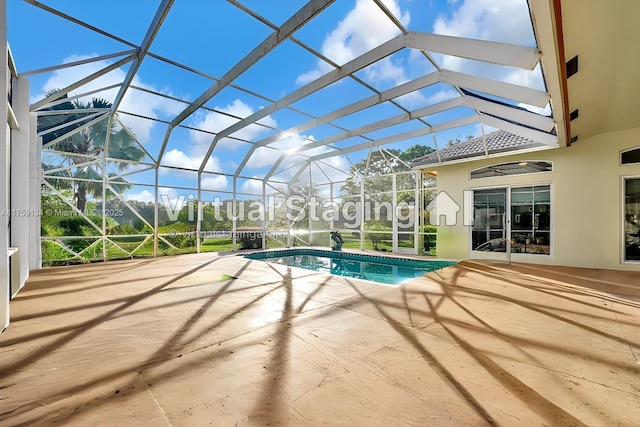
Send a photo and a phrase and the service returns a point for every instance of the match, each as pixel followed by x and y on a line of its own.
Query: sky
pixel 211 36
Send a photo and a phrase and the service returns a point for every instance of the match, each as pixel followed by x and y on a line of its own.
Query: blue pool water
pixel 387 270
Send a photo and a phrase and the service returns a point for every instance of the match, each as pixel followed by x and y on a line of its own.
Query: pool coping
pixel 347 255
pixel 407 262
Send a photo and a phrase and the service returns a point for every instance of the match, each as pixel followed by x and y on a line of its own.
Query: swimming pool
pixel 393 271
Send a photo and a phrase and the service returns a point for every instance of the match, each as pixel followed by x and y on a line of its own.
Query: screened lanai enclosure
pixel 171 128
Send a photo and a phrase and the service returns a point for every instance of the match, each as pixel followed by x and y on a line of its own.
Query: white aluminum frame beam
pixel 480 50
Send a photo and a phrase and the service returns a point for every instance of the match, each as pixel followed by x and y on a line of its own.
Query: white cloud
pixel 171 196
pixel 134 101
pixel 505 21
pixel 178 158
pixel 143 196
pixel 192 157
pixel 251 186
pixel 218 182
pixel 310 76
pixel 215 122
pixel 362 29
pixel 442 95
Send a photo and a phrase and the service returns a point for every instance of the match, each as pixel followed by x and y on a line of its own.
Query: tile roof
pixel 497 142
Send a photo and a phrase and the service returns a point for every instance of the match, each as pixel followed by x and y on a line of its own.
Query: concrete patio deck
pixel 205 340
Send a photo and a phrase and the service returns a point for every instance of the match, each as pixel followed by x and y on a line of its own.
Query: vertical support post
pixel 199 213
pixel 291 239
pixel 4 175
pixel 362 210
pixel 394 219
pixel 420 211
pixel 155 213
pixel 264 213
pixel 35 193
pixel 309 195
pixel 416 212
pixel 332 223
pixel 104 188
pixel 234 216
pixel 23 212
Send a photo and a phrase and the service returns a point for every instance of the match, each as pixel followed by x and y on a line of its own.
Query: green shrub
pixel 430 239
pixel 377 233
pixel 123 230
pixel 249 237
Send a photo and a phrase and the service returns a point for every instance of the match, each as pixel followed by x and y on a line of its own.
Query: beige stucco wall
pixel 586 201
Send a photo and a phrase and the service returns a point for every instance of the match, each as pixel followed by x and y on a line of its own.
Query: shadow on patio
pixel 198 339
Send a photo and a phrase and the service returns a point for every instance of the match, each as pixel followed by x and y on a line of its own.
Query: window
pixel 630 157
pixel 512 168
pixel 632 219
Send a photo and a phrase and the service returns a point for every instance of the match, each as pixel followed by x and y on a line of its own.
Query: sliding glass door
pixel 516 219
pixel 489 230
pixel 631 219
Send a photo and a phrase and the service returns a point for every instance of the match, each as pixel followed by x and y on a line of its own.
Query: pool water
pixel 393 271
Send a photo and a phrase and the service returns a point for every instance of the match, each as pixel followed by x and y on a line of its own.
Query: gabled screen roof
pixel 260 89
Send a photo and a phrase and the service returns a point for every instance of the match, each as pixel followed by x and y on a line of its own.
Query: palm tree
pixel 78 149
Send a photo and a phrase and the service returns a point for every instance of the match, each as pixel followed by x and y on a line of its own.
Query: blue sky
pixel 211 36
